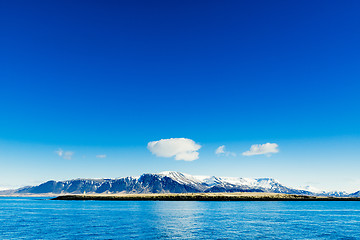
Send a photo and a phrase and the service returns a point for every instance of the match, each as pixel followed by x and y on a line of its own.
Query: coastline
pixel 239 196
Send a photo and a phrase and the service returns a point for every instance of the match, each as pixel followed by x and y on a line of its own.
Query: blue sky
pixel 106 78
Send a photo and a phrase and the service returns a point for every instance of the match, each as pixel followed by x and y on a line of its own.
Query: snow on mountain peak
pixel 265 183
pixel 180 177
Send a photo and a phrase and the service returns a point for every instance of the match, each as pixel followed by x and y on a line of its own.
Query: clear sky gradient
pixel 107 77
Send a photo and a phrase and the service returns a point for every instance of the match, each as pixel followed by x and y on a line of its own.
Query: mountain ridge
pixel 170 182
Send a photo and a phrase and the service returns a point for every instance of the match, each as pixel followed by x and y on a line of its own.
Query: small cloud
pixel 64 154
pixel 221 151
pixel 68 155
pixel 101 156
pixel 59 152
pixel 258 149
pixel 179 148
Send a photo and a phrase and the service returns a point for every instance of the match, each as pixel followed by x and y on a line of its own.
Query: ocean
pixel 40 218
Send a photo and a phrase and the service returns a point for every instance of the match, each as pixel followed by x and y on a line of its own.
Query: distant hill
pixel 355 194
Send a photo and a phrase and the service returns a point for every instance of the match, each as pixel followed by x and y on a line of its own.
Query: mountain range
pixel 169 182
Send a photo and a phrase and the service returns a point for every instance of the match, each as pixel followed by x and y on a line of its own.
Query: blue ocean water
pixel 36 218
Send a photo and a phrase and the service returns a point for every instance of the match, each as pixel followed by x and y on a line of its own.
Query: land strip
pixel 202 197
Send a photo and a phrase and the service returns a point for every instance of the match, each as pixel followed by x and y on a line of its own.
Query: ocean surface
pixel 38 218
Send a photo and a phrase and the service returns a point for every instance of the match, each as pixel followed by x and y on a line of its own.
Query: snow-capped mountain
pixel 231 184
pixel 319 192
pixel 355 194
pixel 166 182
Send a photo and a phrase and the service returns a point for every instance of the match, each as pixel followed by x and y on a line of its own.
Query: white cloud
pixel 68 155
pixel 180 148
pixel 221 151
pixel 59 152
pixel 258 149
pixel 101 156
pixel 64 154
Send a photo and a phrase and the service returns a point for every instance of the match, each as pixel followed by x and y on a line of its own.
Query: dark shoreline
pixel 201 197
